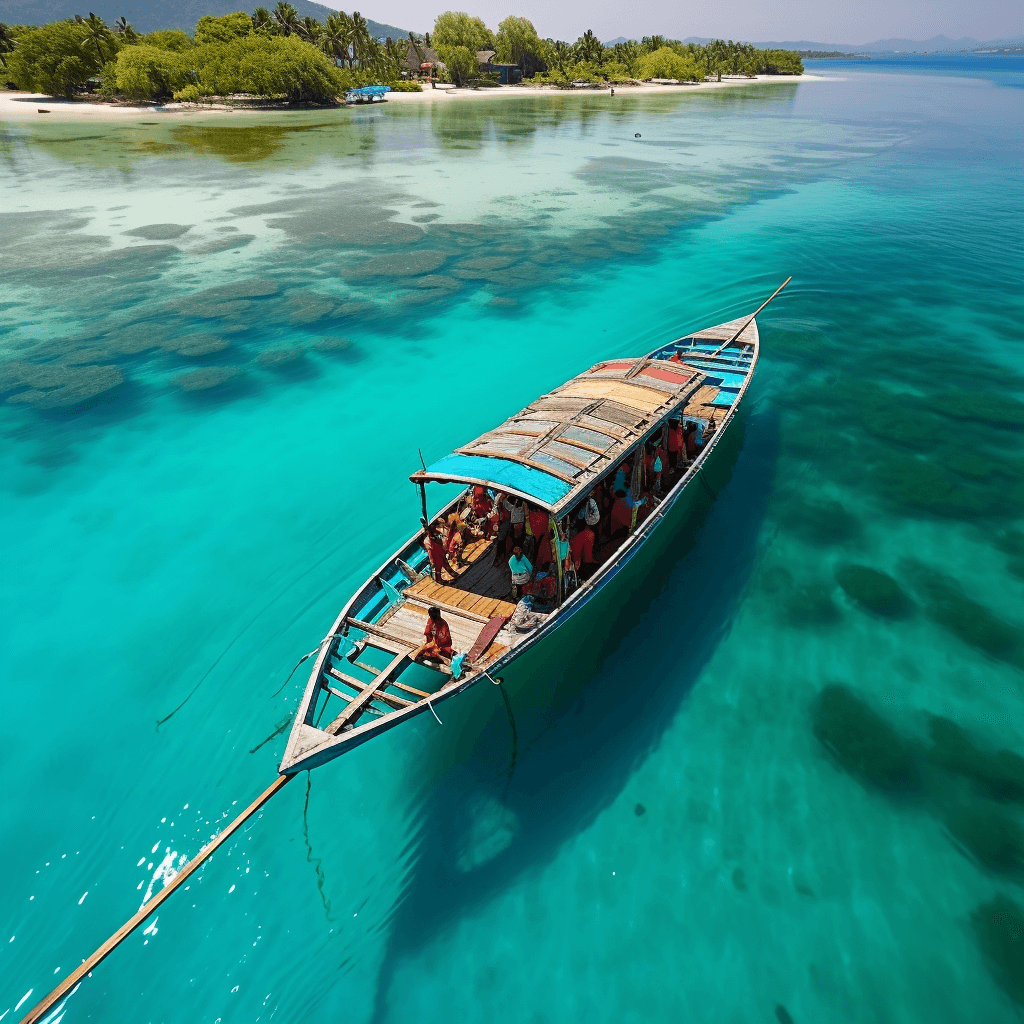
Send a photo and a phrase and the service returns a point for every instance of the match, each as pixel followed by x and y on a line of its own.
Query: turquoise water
pixel 221 345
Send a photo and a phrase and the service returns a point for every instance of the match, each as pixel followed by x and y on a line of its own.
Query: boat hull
pixel 594 605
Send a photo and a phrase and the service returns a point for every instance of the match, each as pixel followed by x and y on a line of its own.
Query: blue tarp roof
pixel 369 90
pixel 503 474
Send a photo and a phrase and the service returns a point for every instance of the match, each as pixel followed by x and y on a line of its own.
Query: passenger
pixel 621 517
pixel 590 511
pixel 675 443
pixel 540 530
pixel 501 520
pixel 623 475
pixel 517 528
pixel 654 464
pixel 583 560
pixel 439 638
pixel 456 540
pixel 436 554
pixel 690 440
pixel 481 503
pixel 522 572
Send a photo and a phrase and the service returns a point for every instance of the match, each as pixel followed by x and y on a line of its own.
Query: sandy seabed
pixel 26 106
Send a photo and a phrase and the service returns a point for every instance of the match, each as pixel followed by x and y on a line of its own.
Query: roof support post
pixel 423 504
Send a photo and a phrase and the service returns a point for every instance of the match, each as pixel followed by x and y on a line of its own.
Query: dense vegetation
pixel 277 54
pixel 270 54
pixel 457 37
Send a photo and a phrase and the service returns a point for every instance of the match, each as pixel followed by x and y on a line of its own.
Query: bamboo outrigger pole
pixel 115 940
pixel 750 319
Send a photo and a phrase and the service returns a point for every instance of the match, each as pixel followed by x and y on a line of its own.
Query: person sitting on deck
pixel 439 638
pixel 436 554
pixel 583 560
pixel 522 571
pixel 675 443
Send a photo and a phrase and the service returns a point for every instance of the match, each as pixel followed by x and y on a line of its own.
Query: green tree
pixel 287 18
pixel 168 39
pixel 337 37
pixel 517 41
pixel 263 22
pixel 54 59
pixel 125 32
pixel 223 29
pixel 456 28
pixel 311 30
pixel 97 37
pixel 460 61
pixel 144 72
pixel 265 66
pixel 589 48
pixel 6 44
pixel 666 63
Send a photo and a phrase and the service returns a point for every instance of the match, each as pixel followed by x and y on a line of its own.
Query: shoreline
pixel 25 106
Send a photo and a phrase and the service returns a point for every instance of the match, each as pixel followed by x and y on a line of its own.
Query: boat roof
pixel 552 452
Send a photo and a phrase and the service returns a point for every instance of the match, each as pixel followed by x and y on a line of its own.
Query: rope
pixel 515 734
pixel 305 657
pixel 115 940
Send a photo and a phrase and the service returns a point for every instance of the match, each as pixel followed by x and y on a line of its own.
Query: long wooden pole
pixel 751 319
pixel 147 908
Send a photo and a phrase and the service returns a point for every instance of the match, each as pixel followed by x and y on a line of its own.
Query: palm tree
pixel 125 31
pixel 6 43
pixel 97 33
pixel 262 22
pixel 589 47
pixel 287 18
pixel 334 38
pixel 362 43
pixel 310 29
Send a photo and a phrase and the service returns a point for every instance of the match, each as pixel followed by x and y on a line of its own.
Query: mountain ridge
pixel 152 15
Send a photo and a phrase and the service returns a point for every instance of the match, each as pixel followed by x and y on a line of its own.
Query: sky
pixel 837 21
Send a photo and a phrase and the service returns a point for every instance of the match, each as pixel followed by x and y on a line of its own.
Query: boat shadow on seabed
pixel 586 719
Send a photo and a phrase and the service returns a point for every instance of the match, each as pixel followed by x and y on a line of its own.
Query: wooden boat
pixel 366 678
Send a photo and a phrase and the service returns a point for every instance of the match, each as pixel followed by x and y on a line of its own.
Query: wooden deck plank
pixel 354 708
pixel 389 698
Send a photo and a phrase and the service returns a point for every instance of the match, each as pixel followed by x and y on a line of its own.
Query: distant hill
pixel 150 15
pixel 933 45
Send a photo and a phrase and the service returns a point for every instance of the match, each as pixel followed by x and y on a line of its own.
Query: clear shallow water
pixel 180 534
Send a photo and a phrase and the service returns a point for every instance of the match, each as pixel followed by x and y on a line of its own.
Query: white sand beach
pixel 24 106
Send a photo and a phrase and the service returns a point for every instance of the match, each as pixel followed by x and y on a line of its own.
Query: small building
pixel 508 74
pixel 419 59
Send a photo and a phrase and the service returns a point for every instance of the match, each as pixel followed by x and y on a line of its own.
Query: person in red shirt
pixel 436 554
pixel 540 527
pixel 439 637
pixel 621 517
pixel 583 560
pixel 675 442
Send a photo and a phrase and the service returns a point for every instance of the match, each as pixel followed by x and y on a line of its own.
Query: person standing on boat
pixel 583 560
pixel 539 529
pixel 675 443
pixel 690 441
pixel 439 637
pixel 438 559
pixel 522 571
